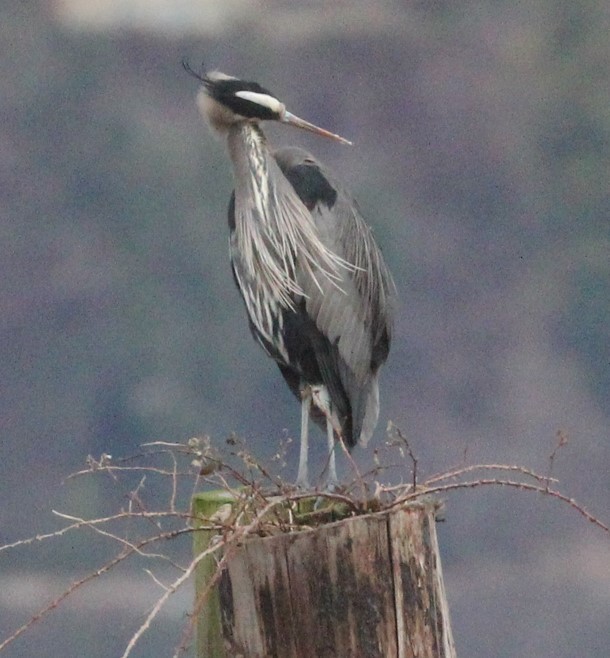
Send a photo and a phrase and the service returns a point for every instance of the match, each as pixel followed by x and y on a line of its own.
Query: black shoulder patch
pixel 311 185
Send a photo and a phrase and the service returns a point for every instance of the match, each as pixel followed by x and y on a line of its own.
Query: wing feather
pixel 354 312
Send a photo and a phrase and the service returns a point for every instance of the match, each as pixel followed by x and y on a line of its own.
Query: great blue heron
pixel 315 285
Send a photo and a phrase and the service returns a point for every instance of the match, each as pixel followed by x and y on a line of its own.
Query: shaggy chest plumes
pixel 274 242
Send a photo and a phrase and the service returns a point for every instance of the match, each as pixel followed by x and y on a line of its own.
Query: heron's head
pixel 225 101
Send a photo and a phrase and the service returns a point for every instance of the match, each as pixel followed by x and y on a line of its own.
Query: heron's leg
pixel 332 481
pixel 321 399
pixel 302 474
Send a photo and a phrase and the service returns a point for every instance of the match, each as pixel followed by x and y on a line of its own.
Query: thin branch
pixel 43 612
pixel 120 540
pixel 49 535
pixel 239 532
pixel 458 472
pixel 562 440
pixel 393 429
pixel 155 579
pixel 112 469
pixel 506 483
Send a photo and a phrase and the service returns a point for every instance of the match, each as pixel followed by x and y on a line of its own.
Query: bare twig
pixel 525 486
pixel 400 439
pixel 239 532
pixel 562 440
pixel 43 612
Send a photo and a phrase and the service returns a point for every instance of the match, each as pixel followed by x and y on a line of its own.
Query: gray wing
pixel 354 314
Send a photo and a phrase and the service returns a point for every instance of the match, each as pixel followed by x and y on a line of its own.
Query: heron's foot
pixel 332 485
pixel 320 503
pixel 302 483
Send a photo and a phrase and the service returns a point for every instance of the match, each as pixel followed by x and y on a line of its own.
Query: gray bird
pixel 317 291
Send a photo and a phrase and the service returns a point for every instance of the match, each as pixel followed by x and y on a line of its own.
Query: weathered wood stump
pixel 367 586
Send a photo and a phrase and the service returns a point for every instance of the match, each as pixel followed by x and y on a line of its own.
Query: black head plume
pixel 189 69
pixel 243 98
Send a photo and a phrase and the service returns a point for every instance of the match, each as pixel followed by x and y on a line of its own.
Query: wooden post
pixel 365 587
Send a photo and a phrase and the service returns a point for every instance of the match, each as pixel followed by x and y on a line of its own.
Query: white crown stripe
pixel 261 99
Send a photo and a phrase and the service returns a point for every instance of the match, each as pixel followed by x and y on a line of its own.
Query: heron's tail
pixel 365 412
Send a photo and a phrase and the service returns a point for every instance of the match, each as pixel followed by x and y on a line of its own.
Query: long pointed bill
pixel 293 120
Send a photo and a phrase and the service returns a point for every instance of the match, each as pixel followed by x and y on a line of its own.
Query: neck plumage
pixel 252 164
pixel 274 232
pixel 264 244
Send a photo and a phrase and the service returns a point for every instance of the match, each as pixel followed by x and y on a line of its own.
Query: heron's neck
pixel 250 157
pixel 263 247
pixel 272 229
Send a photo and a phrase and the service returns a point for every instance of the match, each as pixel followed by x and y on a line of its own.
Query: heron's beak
pixel 292 120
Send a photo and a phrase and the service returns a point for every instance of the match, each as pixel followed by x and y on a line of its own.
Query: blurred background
pixel 481 158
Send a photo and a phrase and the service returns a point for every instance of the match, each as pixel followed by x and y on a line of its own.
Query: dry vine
pixel 269 505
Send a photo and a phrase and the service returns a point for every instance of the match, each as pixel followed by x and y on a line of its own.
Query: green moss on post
pixel 209 626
